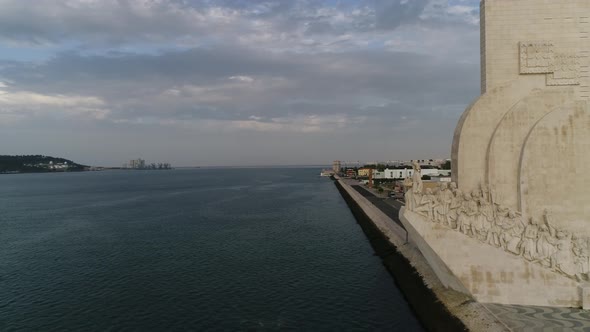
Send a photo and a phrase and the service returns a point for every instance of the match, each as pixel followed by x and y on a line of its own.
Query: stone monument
pixel 515 226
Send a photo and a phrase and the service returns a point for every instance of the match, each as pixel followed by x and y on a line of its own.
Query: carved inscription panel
pixel 564 70
pixel 539 57
pixel 536 57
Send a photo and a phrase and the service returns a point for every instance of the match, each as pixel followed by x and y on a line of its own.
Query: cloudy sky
pixel 235 82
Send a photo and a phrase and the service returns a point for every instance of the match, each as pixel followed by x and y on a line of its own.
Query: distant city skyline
pixel 236 83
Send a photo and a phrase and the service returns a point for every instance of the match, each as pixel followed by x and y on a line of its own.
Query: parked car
pixel 396 195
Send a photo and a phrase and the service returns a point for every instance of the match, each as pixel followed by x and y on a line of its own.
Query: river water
pixel 202 249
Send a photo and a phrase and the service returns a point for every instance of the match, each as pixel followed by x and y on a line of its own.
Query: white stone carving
pixel 565 70
pixel 444 198
pixel 536 57
pixel 417 178
pixel 476 215
pixel 409 196
pixel 539 57
pixel 581 259
pixel 527 136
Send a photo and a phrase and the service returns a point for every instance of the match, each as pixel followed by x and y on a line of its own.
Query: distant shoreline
pixel 101 169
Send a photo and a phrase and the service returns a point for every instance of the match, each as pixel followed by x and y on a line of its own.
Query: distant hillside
pixel 37 164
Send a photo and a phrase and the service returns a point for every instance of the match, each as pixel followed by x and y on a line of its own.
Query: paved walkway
pixel 515 317
pixel 382 203
pixel 541 319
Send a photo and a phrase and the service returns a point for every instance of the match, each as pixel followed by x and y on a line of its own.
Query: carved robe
pixel 410 199
pixel 562 259
pixel 484 219
pixel 511 234
pixel 545 245
pixel 427 205
pixel 467 216
pixel 528 245
pixel 444 198
pixel 581 259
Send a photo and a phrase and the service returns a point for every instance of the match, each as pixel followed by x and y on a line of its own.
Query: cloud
pixel 287 71
pixel 106 21
pixel 279 25
pixel 235 83
pixel 300 124
pixel 241 78
pixel 392 13
pixel 18 105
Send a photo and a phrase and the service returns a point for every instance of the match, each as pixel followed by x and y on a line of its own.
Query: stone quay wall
pixel 438 308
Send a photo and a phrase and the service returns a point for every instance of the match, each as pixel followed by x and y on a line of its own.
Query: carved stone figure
pixel 479 214
pixel 495 232
pixel 581 259
pixel 528 244
pixel 444 198
pixel 484 219
pixel 512 229
pixel 562 259
pixel 546 245
pixel 417 178
pixel 547 242
pixel 409 196
pixel 453 187
pixel 467 215
pixel 455 207
pixel 427 204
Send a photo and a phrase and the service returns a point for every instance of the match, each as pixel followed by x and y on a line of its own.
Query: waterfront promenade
pixel 439 308
pixel 475 316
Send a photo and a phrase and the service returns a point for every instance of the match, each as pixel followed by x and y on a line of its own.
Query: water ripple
pixel 255 249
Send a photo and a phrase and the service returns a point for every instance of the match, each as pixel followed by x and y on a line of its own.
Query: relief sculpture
pixel 538 57
pixel 477 215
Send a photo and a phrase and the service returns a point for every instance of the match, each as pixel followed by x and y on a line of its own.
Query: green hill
pixel 37 164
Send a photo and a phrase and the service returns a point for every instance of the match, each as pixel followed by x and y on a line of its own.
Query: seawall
pixel 438 308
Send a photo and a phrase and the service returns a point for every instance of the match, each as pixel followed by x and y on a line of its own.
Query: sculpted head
pixel 502 210
pixel 453 186
pixel 547 214
pixel 580 241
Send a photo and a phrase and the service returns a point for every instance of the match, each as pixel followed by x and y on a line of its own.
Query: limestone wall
pixel 559 147
pixel 518 220
pixel 535 62
pixel 564 23
pixel 489 274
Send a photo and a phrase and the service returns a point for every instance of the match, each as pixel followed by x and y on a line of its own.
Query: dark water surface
pixel 204 249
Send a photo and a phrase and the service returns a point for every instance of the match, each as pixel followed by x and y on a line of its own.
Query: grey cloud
pixel 105 22
pixel 130 22
pixel 379 71
pixel 392 13
pixel 283 84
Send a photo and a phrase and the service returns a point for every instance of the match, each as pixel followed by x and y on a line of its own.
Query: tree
pixel 446 165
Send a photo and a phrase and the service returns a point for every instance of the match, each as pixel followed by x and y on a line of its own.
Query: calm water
pixel 205 249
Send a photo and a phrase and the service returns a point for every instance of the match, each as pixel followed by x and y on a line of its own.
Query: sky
pixel 236 82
